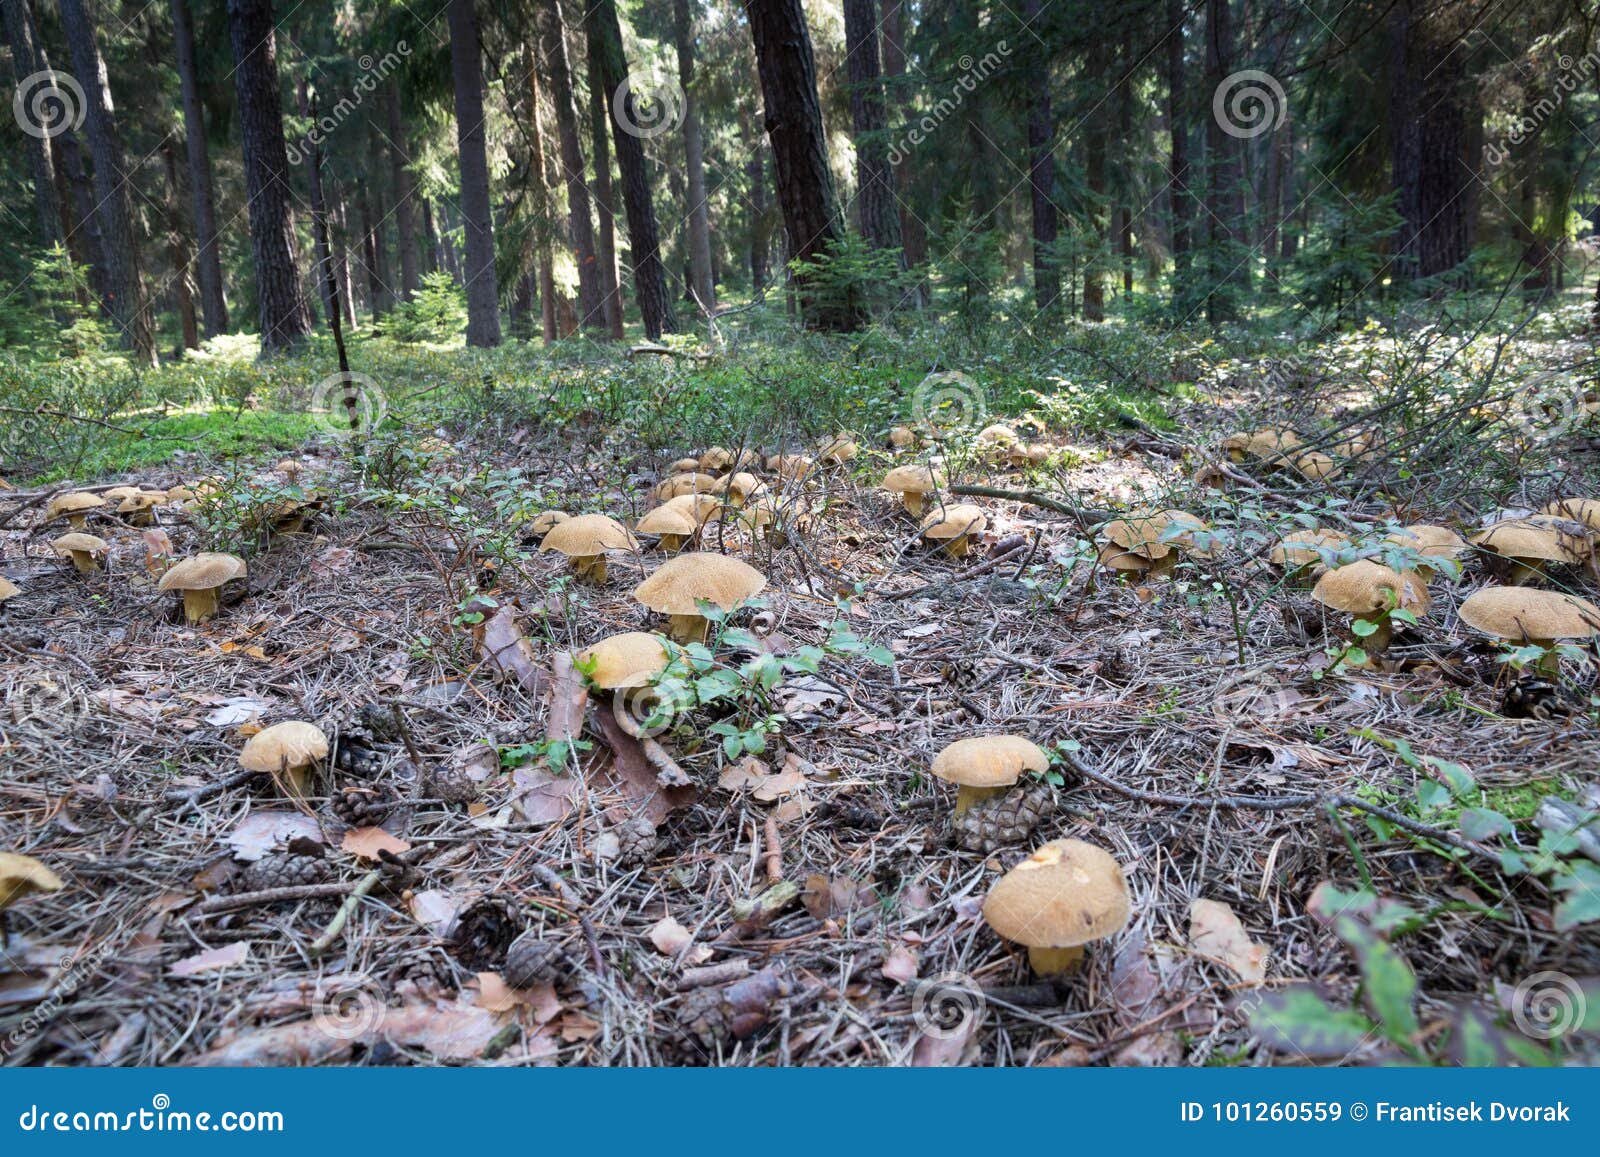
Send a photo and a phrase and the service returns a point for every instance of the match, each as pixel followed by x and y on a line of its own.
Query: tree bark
pixel 405 188
pixel 913 235
pixel 1227 267
pixel 369 251
pixel 112 186
pixel 544 263
pixel 208 261
pixel 1094 292
pixel 755 170
pixel 580 228
pixel 26 59
pixel 432 256
pixel 483 297
pixel 285 321
pixel 701 277
pixel 644 238
pixel 341 255
pixel 604 204
pixel 381 267
pixel 1041 169
pixel 800 154
pixel 878 210
pixel 178 252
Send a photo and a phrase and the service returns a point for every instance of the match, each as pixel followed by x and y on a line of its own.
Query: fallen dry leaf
pixel 1216 933
pixel 228 956
pixel 670 937
pixel 366 843
pixel 261 831
pixel 901 965
pixel 506 650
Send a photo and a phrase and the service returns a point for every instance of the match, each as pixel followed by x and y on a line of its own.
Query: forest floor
pixel 1309 845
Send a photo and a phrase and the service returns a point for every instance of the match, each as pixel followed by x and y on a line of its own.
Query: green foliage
pixel 851 276
pixel 53 317
pixel 437 312
pixel 1341 263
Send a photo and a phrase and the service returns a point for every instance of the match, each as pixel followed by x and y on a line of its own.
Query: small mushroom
pixel 74 506
pixel 700 507
pixel 136 507
pixel 8 589
pixel 954 527
pixel 1369 591
pixel 21 876
pixel 672 526
pixel 1530 615
pixel 290 468
pixel 739 487
pixel 1065 895
pixel 585 540
pixel 912 484
pixel 680 484
pixel 1428 542
pixel 1268 445
pixel 627 664
pixel 985 765
pixel 902 438
pixel 1528 545
pixel 201 577
pixel 1304 552
pixel 838 450
pixel 1155 541
pixel 289 752
pixel 84 550
pixel 682 583
pixel 686 466
pixel 545 521
pixel 1315 465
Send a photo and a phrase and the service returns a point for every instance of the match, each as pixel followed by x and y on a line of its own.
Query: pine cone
pixel 356 752
pixel 708 1018
pixel 284 870
pixel 1006 819
pixel 531 961
pixel 379 721
pixel 1532 696
pixel 449 784
pixel 483 933
pixel 364 806
pixel 638 839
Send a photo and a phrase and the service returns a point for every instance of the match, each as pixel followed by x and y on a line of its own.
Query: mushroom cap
pixel 954 521
pixel 669 520
pixel 740 483
pixel 686 466
pixel 77 540
pixel 23 875
pixel 1584 510
pixel 201 572
pixel 989 760
pixel 681 484
pixel 1532 537
pixel 1147 534
pixel 588 535
pixel 546 520
pixel 141 500
pixel 294 743
pixel 1299 547
pixel 699 507
pixel 914 478
pixel 675 587
pixel 1429 541
pixel 1121 558
pixel 181 493
pixel 840 448
pixel 118 493
pixel 1066 894
pixel 792 466
pixel 630 659
pixel 1365 587
pixel 716 458
pixel 995 433
pixel 71 503
pixel 902 436
pixel 289 466
pixel 1530 613
pixel 8 589
pixel 1315 465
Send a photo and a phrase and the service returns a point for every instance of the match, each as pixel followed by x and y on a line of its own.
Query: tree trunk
pixel 800 154
pixel 341 256
pixel 178 252
pixel 628 126
pixel 701 279
pixel 381 267
pixel 1041 169
pixel 405 188
pixel 285 321
pixel 878 210
pixel 539 165
pixel 1227 251
pixel 1178 175
pixel 208 262
pixel 483 297
pixel 1094 292
pixel 432 253
pixel 319 232
pixel 913 236
pixel 27 60
pixel 580 229
pixel 604 204
pixel 369 250
pixel 755 170
pixel 112 186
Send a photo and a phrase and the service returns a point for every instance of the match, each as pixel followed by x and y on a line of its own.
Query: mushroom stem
pixel 1525 572
pixel 1378 641
pixel 959 547
pixel 84 561
pixel 914 502
pixel 687 628
pixel 77 521
pixel 590 568
pixel 967 796
pixel 673 543
pixel 198 606
pixel 1163 566
pixel 1055 961
pixel 1550 661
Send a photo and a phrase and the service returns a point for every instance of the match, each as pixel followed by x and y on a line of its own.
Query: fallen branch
pixel 272 896
pixel 1034 498
pixel 1002 553
pixel 774 846
pixel 346 910
pixel 575 903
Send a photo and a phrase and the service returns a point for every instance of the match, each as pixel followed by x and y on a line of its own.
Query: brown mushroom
pixel 74 506
pixel 1065 895
pixel 1528 546
pixel 545 521
pixel 1529 615
pixel 682 583
pixel 21 876
pixel 136 507
pixel 912 484
pixel 672 526
pixel 585 540
pixel 1156 541
pixel 289 752
pixel 954 527
pixel 680 484
pixel 985 765
pixel 1428 542
pixel 8 589
pixel 1302 552
pixel 627 665
pixel 838 450
pixel 84 550
pixel 1369 591
pixel 1584 510
pixel 201 577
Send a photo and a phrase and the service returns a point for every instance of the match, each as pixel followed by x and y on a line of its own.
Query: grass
pixel 215 433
